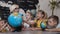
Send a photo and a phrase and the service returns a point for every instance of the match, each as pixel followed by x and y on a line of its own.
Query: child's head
pixel 14 8
pixel 28 15
pixel 53 21
pixel 40 14
pixel 2 22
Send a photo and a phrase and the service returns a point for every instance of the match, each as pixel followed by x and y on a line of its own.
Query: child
pixel 28 21
pixel 4 26
pixel 14 9
pixel 40 17
pixel 52 23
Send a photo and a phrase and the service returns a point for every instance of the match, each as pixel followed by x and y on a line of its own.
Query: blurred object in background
pixel 4 12
pixel 10 2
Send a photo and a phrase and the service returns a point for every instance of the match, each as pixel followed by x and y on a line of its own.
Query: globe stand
pixel 18 29
pixel 43 29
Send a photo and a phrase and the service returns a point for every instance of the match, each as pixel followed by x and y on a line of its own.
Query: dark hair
pixel 42 12
pixel 56 18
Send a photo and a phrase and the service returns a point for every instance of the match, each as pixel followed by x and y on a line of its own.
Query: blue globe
pixel 15 20
pixel 43 25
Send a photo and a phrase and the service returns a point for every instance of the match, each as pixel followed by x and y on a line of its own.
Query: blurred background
pixel 28 4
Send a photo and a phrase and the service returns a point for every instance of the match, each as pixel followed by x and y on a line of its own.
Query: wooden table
pixel 31 32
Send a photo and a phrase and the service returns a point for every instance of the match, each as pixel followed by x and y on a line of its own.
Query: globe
pixel 15 20
pixel 43 25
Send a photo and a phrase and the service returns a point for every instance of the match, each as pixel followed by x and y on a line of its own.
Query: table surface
pixel 31 32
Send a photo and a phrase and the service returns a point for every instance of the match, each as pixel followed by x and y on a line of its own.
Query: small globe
pixel 15 20
pixel 43 25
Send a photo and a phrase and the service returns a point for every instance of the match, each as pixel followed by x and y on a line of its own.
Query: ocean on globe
pixel 15 20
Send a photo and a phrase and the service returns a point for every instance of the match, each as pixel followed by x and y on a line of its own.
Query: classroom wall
pixel 44 6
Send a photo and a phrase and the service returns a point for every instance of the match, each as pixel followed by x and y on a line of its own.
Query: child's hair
pixel 28 11
pixel 42 12
pixel 55 18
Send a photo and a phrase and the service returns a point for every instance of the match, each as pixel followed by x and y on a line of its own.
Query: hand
pixel 32 29
pixel 32 22
pixel 23 29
